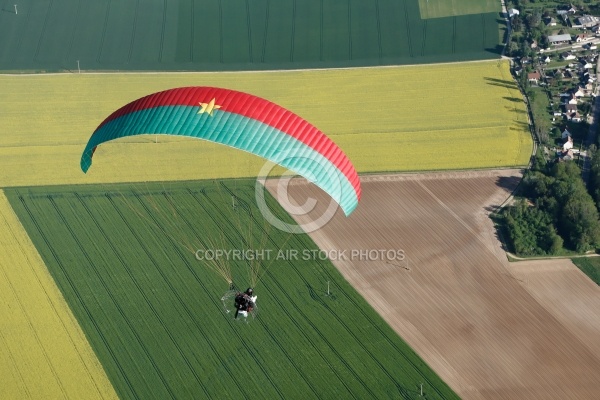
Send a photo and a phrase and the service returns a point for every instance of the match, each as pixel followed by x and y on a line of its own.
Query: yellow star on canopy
pixel 208 107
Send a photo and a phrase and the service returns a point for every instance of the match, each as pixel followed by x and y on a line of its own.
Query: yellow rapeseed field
pixel 43 351
pixel 445 116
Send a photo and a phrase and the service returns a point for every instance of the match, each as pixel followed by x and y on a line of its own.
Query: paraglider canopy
pixel 242 121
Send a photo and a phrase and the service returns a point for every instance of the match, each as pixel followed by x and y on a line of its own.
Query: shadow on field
pixel 513 99
pixel 511 109
pixel 501 83
pixel 522 125
pixel 508 183
pixel 496 50
pixel 500 231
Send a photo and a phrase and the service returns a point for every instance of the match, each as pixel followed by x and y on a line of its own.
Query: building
pixel 568 144
pixel 559 39
pixel 587 21
pixel 550 21
pixel 512 12
pixel 534 77
pixel 570 110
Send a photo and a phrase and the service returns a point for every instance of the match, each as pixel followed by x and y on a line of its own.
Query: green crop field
pixel 123 256
pixel 192 35
pixel 589 266
pixel 448 8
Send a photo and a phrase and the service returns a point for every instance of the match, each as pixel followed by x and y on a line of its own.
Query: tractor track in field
pixel 62 322
pixel 106 286
pixel 423 45
pixel 320 31
pixel 192 34
pixel 379 47
pixel 387 338
pixel 266 234
pixel 189 313
pixel 32 329
pixel 341 321
pixel 133 30
pixel 217 305
pixel 220 31
pixel 482 30
pixel 264 41
pixel 249 27
pixel 349 29
pixel 233 242
pixel 43 35
pixel 78 294
pixel 293 35
pixel 73 32
pixel 167 282
pixel 453 35
pixel 104 28
pixel 162 32
pixel 407 22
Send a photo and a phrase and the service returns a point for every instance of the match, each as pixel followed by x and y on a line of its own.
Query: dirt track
pixel 491 330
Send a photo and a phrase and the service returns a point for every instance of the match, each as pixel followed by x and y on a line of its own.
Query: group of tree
pixel 556 211
pixel 582 5
pixel 595 174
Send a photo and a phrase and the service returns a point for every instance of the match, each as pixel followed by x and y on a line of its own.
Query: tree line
pixel 557 212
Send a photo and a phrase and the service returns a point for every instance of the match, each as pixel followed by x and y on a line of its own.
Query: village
pixel 555 60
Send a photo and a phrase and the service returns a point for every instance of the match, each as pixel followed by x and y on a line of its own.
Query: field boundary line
pixel 116 72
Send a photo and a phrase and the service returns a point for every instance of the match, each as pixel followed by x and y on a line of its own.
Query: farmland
pixel 212 35
pixel 436 117
pixel 101 293
pixel 447 8
pixel 490 329
pixel 152 313
pixel 43 351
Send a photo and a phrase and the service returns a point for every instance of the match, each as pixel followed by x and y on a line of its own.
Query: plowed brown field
pixel 490 330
